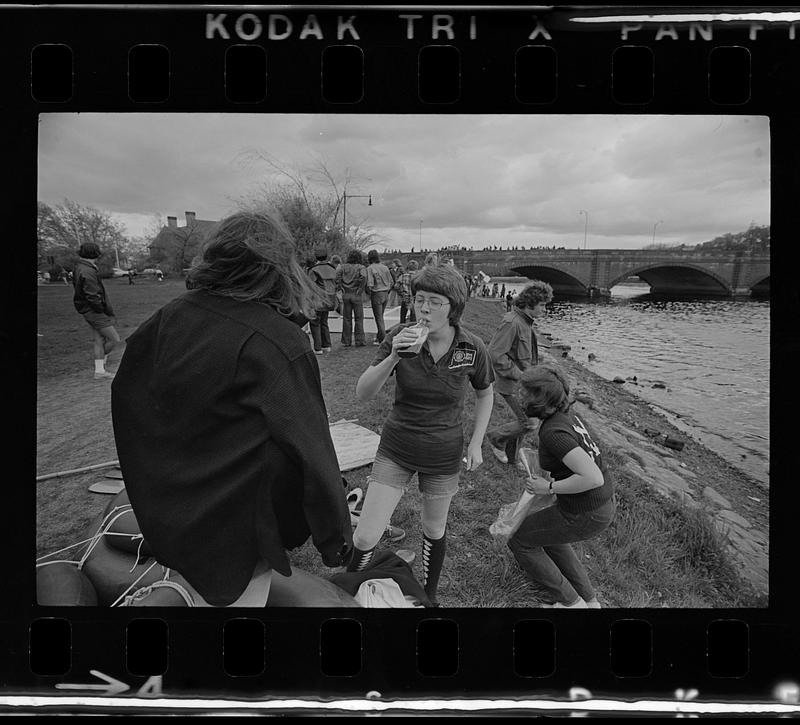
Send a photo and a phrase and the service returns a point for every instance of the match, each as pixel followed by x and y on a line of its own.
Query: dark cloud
pixel 474 178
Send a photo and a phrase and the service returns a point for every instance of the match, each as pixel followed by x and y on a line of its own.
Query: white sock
pixel 100 365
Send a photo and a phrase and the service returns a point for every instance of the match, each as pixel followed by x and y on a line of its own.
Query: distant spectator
pixel 509 301
pixel 379 282
pixel 406 298
pixel 396 270
pixel 324 275
pixel 351 278
pixel 91 301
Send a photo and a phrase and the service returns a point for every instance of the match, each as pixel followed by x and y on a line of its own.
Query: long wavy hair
pixel 252 257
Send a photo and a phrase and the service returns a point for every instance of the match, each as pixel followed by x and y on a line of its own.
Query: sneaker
pixel 354 498
pixel 326 349
pixel 580 604
pixel 376 342
pixel 318 352
pixel 406 555
pixel 394 534
pixel 105 375
pixel 593 603
pixel 500 454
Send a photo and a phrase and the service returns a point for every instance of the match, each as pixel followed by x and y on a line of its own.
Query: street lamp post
pixel 420 235
pixel 585 226
pixel 660 221
pixel 345 197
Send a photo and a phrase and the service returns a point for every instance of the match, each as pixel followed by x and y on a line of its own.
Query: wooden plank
pixel 355 445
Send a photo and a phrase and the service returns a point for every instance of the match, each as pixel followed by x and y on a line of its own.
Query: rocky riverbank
pixel 656 453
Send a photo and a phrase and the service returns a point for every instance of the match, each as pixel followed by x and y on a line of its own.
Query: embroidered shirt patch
pixel 462 358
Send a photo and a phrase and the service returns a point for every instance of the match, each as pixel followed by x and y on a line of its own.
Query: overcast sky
pixel 475 180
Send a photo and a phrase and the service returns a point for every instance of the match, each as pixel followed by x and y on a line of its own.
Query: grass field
pixel 655 554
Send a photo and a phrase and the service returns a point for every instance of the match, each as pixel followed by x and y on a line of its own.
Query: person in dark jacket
pixel 220 425
pixel 324 275
pixel 91 301
pixel 512 350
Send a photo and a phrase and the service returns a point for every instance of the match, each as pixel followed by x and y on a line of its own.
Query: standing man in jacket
pixel 91 301
pixel 324 275
pixel 512 350
pixel 379 282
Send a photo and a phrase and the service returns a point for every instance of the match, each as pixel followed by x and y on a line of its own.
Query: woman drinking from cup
pixel 423 433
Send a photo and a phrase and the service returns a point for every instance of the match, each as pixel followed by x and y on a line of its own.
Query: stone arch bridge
pixel 594 272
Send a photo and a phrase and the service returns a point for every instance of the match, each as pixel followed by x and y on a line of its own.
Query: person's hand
pixel 474 456
pixel 403 339
pixel 537 485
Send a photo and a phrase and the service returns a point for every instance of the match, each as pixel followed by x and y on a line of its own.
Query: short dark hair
pixel 321 253
pixel 355 257
pixel 413 265
pixel 551 385
pixel 536 292
pixel 89 250
pixel 336 259
pixel 373 256
pixel 443 280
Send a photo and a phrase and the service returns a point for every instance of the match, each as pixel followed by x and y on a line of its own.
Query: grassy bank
pixel 656 553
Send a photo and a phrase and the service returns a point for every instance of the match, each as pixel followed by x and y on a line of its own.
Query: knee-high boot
pixel 433 551
pixel 360 559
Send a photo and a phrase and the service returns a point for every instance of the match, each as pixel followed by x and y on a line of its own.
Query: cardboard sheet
pixel 355 445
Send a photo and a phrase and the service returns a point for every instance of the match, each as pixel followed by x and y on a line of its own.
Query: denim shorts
pixel 389 473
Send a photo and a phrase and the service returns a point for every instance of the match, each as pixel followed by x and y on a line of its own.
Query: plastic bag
pixel 512 515
pixel 381 593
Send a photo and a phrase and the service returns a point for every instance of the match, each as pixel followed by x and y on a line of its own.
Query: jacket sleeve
pixel 295 415
pixel 369 279
pixel 338 278
pixel 92 293
pixel 502 351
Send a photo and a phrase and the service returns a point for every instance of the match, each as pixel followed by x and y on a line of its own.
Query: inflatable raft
pixel 112 566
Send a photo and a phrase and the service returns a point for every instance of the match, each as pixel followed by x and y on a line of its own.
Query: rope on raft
pixel 69 472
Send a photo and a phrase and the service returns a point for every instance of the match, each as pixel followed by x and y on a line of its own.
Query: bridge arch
pixel 761 287
pixel 562 282
pixel 681 278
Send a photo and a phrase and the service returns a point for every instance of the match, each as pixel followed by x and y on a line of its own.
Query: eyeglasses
pixel 433 304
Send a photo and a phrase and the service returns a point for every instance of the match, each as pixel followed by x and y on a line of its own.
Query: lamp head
pixel 369 203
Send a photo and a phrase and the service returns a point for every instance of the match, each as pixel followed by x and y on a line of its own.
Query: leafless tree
pixel 319 190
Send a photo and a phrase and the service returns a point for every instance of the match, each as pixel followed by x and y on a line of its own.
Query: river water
pixel 712 355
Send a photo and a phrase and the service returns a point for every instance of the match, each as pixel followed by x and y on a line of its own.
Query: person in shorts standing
pixel 424 432
pixel 91 301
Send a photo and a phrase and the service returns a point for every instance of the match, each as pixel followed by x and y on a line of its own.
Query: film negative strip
pixel 312 653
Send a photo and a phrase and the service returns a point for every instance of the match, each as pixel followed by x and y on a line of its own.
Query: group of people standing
pixel 223 437
pixel 346 284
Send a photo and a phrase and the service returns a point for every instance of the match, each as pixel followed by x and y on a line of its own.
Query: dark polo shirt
pixel 425 428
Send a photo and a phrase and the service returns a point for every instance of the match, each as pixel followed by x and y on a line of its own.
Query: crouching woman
pixel 584 498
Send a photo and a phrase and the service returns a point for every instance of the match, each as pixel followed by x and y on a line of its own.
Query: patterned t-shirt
pixel 558 435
